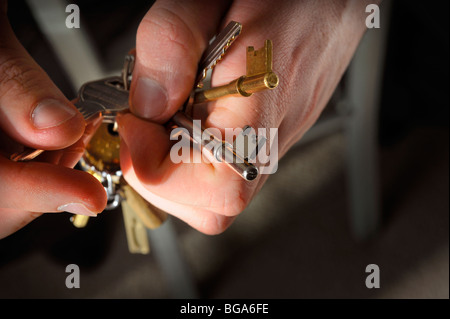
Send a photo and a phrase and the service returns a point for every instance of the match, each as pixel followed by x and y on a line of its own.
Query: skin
pixel 313 43
pixel 29 189
pixel 312 48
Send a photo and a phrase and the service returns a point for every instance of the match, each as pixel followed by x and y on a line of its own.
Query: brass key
pixel 259 76
pixel 150 216
pixel 135 230
pixel 138 216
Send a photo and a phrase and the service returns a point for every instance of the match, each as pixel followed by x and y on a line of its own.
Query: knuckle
pixel 214 224
pixel 17 75
pixel 167 26
pixel 232 203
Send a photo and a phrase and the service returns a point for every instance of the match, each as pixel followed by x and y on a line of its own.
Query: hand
pixel 34 113
pixel 313 43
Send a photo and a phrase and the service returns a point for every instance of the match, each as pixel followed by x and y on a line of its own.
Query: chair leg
pixel 363 95
pixel 165 247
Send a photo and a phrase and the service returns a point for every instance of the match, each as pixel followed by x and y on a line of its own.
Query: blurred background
pixel 367 185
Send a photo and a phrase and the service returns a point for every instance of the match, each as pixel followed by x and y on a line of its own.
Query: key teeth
pixel 84 112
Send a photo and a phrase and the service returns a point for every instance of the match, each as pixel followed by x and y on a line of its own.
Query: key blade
pixel 218 47
pixel 89 109
pixel 106 97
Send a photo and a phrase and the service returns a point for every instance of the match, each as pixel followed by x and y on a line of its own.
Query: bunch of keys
pixel 108 97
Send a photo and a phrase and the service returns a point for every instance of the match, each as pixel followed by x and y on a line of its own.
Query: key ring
pixel 127 69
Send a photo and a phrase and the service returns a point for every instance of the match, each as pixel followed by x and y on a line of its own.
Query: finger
pixel 69 157
pixel 63 189
pixel 11 220
pixel 32 110
pixel 202 219
pixel 170 41
pixel 211 186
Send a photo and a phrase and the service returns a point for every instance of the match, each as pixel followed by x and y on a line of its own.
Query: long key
pixel 217 48
pixel 135 230
pixel 104 98
pixel 150 216
pixel 259 76
pixel 220 150
pixel 139 215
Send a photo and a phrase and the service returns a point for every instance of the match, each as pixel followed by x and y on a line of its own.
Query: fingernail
pixel 76 208
pixel 50 113
pixel 149 99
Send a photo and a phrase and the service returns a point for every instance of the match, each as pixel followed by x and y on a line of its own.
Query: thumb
pixel 170 41
pixel 32 109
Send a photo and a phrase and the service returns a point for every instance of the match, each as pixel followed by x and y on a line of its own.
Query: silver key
pixel 217 48
pixel 106 97
pixel 220 150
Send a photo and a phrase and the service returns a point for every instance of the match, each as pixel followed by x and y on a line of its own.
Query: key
pixel 220 150
pixel 135 231
pixel 79 221
pixel 259 76
pixel 216 49
pixel 101 160
pixel 139 215
pixel 104 98
pixel 150 216
pixel 247 144
pixel 109 96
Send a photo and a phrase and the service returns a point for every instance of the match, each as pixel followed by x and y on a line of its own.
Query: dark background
pixel 294 240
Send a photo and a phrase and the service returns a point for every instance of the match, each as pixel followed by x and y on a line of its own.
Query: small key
pixel 217 48
pixel 139 215
pixel 221 151
pixel 135 230
pixel 150 216
pixel 259 76
pixel 104 98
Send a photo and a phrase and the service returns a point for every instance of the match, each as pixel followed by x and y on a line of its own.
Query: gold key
pixel 135 230
pixel 101 159
pixel 150 216
pixel 138 216
pixel 259 76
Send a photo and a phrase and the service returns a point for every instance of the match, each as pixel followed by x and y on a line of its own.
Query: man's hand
pixel 34 113
pixel 313 43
